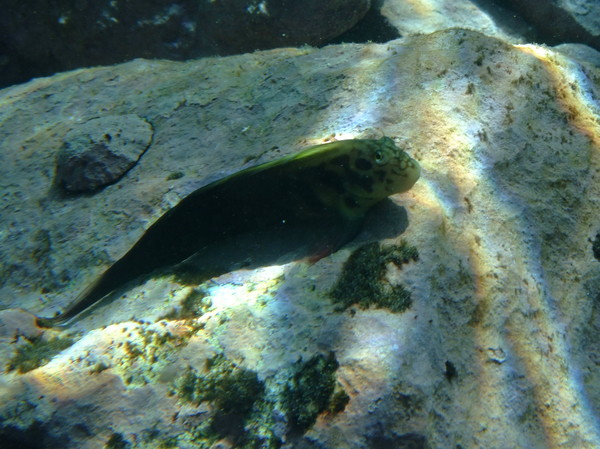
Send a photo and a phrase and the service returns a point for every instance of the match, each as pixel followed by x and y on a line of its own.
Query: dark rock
pixel 585 12
pixel 242 25
pixel 101 151
pixel 373 27
pixel 36 436
pixel 560 21
pixel 39 38
pixel 405 441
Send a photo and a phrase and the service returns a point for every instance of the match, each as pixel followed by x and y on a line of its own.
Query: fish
pixel 332 184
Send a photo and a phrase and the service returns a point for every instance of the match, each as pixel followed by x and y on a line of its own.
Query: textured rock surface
pixel 499 347
pixel 100 151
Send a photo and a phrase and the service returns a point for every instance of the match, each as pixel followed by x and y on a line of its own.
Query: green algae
pixel 311 391
pixel 242 408
pixel 363 280
pixel 234 393
pixel 230 388
pixel 37 352
pixel 145 353
pixel 339 400
pixel 194 305
pixel 116 441
pixel 175 175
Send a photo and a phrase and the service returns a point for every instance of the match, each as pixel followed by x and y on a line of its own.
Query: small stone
pixel 17 322
pixel 101 151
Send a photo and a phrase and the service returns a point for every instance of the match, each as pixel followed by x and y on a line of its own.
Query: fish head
pixel 350 176
pixel 381 169
pixel 376 169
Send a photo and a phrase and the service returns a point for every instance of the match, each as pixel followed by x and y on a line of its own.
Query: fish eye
pixel 379 157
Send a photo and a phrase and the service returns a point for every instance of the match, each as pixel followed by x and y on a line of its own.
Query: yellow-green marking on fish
pixel 356 174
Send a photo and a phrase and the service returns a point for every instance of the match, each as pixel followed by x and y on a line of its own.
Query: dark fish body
pixel 331 183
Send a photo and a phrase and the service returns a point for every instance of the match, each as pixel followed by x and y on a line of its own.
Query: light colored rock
pixel 426 16
pixel 500 346
pixel 581 53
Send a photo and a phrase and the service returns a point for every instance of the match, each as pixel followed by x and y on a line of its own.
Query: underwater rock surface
pixel 497 347
pixel 425 16
pixel 38 39
pixel 100 151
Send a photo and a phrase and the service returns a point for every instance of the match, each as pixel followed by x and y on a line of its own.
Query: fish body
pixel 336 182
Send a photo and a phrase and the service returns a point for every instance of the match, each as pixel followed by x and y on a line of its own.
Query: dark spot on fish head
pixel 360 182
pixel 363 164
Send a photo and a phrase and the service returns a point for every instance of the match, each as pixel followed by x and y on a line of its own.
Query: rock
pixel 498 346
pixel 101 151
pixel 582 53
pixel 15 327
pixel 239 26
pixel 585 12
pixel 420 17
pixel 109 31
pixel 17 323
pixel 561 21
